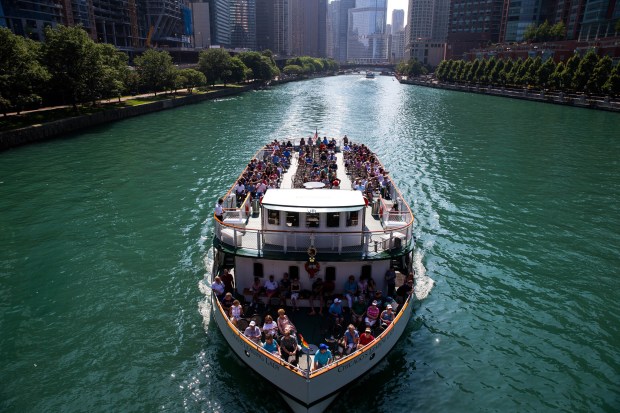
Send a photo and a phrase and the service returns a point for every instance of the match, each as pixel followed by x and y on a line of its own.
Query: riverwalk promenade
pixel 558 98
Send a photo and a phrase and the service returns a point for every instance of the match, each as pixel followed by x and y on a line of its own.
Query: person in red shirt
pixel 365 338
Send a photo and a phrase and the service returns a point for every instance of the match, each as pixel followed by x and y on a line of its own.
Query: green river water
pixel 104 234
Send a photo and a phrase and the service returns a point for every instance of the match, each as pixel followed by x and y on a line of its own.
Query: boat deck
pixel 373 223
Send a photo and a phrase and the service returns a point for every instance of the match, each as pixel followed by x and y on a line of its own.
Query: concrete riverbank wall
pixel 51 130
pixel 559 98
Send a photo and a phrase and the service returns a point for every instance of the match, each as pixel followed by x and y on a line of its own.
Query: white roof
pixel 313 200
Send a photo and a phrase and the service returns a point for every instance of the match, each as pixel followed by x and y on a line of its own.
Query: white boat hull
pixel 312 394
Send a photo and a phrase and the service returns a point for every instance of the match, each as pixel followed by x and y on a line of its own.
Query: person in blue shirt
pixel 335 310
pixel 323 357
pixel 271 345
pixel 350 290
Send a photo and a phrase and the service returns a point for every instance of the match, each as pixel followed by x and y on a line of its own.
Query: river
pixel 104 235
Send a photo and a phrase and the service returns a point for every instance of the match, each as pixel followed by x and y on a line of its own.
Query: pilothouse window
pixel 352 218
pixel 274 217
pixel 333 219
pixel 312 220
pixel 292 219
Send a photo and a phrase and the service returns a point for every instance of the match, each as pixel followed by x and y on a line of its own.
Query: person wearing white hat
pixel 372 314
pixel 335 310
pixel 387 316
pixel 253 332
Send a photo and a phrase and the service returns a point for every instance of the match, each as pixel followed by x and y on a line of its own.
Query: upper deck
pixel 296 214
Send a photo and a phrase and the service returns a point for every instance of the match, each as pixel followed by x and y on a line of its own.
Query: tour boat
pixel 370 75
pixel 312 228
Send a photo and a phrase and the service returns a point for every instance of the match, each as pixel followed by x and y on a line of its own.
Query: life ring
pixel 312 268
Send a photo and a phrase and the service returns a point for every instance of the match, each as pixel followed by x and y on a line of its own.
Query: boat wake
pixel 423 284
pixel 204 306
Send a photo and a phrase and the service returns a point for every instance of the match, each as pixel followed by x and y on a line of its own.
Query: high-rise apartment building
pixel 243 24
pixel 367 39
pixel 265 29
pixel 201 25
pixel 427 30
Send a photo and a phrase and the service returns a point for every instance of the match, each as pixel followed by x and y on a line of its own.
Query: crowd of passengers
pixel 367 173
pixel 317 162
pixel 367 310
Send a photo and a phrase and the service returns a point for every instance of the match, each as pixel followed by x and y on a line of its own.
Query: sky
pixel 397 4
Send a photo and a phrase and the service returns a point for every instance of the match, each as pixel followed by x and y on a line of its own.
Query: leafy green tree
pixel 114 71
pixel 262 66
pixel 156 71
pixel 465 74
pixel 75 63
pixel 494 75
pixel 21 73
pixel 584 71
pixel 599 76
pixel 513 74
pixel 293 70
pixel 504 75
pixel 459 69
pixel 213 62
pixel 530 32
pixel 544 72
pixel 612 85
pixel 440 71
pixel 558 31
pixel 238 70
pixel 531 76
pixel 191 78
pixel 557 80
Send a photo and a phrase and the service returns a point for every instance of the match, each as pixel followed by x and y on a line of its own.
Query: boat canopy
pixel 313 200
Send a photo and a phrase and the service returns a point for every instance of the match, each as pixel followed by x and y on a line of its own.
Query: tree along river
pixel 103 241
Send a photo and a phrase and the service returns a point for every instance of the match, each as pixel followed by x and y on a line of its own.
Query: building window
pixel 273 217
pixel 312 220
pixel 333 219
pixel 292 219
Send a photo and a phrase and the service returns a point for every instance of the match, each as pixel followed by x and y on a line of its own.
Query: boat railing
pixel 367 243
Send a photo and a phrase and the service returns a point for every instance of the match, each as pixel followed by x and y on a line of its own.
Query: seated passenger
pixel 289 349
pixel 271 345
pixel 227 302
pixel 271 287
pixel 270 327
pixel 365 338
pixel 218 288
pixel 317 293
pixel 236 312
pixel 335 311
pixel 284 287
pixel 387 316
pixel 372 314
pixel 295 289
pixel 284 323
pixel 358 310
pixel 253 332
pixel 351 338
pixel 256 289
pixel 350 290
pixel 322 358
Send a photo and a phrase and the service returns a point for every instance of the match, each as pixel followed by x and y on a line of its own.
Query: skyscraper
pixel 220 22
pixel 265 29
pixel 398 20
pixel 338 23
pixel 243 24
pixel 473 24
pixel 367 40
